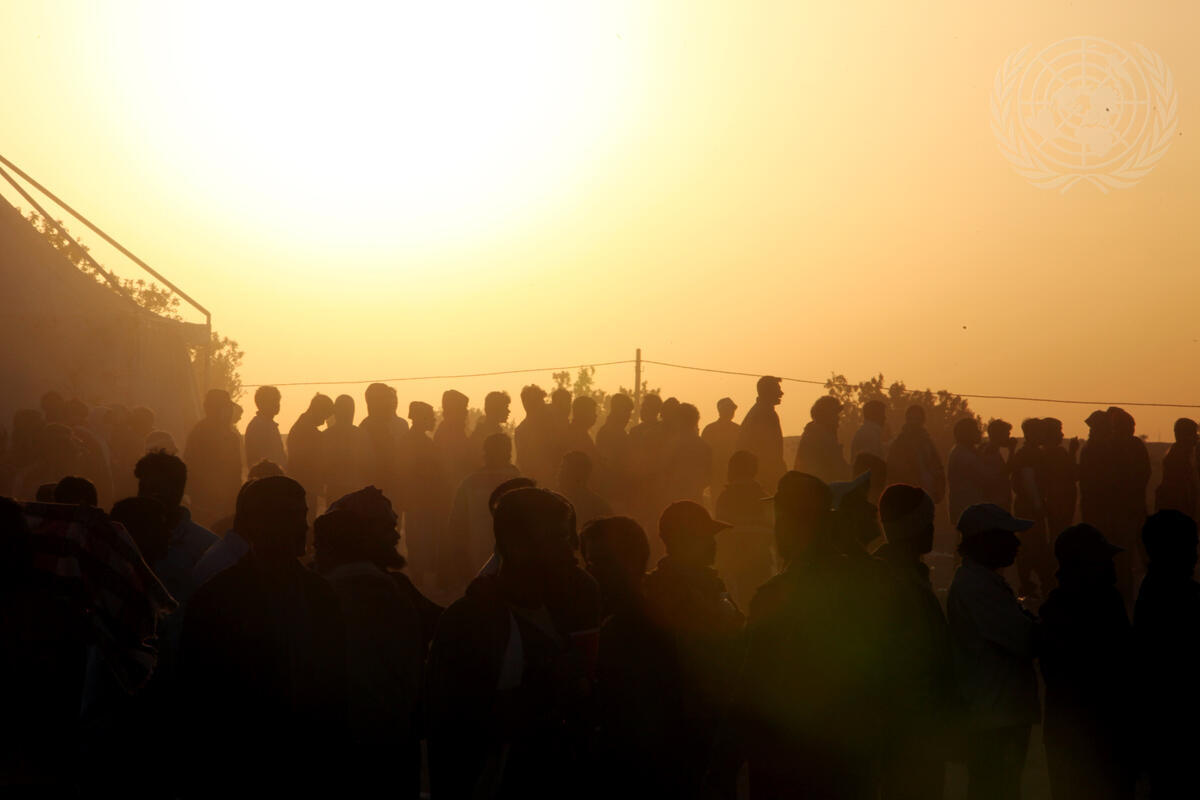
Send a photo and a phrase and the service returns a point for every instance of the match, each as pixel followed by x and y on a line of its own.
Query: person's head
pixel 218 406
pixel 690 533
pixel 915 416
pixel 651 408
pixel 615 552
pixel 76 491
pixel 534 530
pixel 999 433
pixel 141 420
pixel 726 409
pixel 1085 558
pixel 497 451
pixel 1099 425
pixel 454 407
pixel 575 470
pixel 874 411
pixel 266 400
pixel 670 413
pixel 533 399
pixel 743 467
pixel 966 432
pixel 770 390
pixel 620 409
pixel 1170 540
pixel 360 526
pixel 45 493
pixel 825 411
pixel 989 535
pixel 1185 431
pixel 319 409
pixel 509 485
pixel 343 410
pixel 803 514
pixel 1052 432
pixel 907 515
pixel 272 515
pixel 381 400
pixel 495 407
pixel 1032 432
pixel 1122 421
pixel 560 403
pixel 148 524
pixel 689 418
pixel 422 416
pixel 583 413
pixel 265 468
pixel 54 407
pixel 162 476
pixel 235 414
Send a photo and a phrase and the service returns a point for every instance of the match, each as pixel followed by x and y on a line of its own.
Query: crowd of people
pixel 400 606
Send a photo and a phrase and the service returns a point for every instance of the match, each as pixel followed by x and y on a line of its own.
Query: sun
pixel 411 120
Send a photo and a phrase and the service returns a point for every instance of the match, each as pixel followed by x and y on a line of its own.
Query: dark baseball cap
pixel 1095 417
pixel 1084 543
pixel 986 517
pixel 688 518
pixel 800 491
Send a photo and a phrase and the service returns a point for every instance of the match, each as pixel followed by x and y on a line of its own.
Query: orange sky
pixel 373 190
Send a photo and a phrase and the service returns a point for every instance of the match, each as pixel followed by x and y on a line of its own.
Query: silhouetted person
pixel 342 449
pixel 869 438
pixel 996 473
pixel 262 432
pixel 1085 653
pixel 965 474
pixel 387 630
pixel 721 437
pixel 164 477
pixel 866 462
pixel 384 434
pixel 761 433
pixel 1131 475
pixel 305 458
pixel 1097 472
pixel 1027 467
pixel 1178 488
pixel 503 673
pixel 459 459
pixel 744 556
pixel 96 463
pixel 648 442
pixel 428 497
pixel 1165 622
pixel 573 483
pixel 213 454
pixel 688 467
pixel 913 458
pixel 264 657
pixel 469 540
pixel 147 522
pixel 76 491
pixel 914 763
pixel 534 438
pixel 495 417
pixel 1059 475
pixel 578 435
pixel 612 445
pixel 819 452
pixel 994 649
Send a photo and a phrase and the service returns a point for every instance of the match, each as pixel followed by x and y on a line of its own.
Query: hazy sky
pixel 370 190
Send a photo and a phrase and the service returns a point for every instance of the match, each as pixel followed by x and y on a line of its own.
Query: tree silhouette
pixel 942 408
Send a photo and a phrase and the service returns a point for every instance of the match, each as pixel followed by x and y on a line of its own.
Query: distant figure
pixel 305 458
pixel 76 491
pixel 534 438
pixel 1130 475
pixel 508 663
pixel 965 473
pixel 688 467
pixel 1178 488
pixel 469 541
pixel 994 647
pixel 612 444
pixel 213 454
pixel 819 453
pixel 869 438
pixel 450 438
pixel 262 432
pixel 560 420
pixel 264 658
pixel 164 477
pixel 997 479
pixel 866 462
pixel 915 761
pixel 1097 473
pixel 1165 622
pixel 96 463
pixel 573 478
pixel 1086 656
pixel 583 419
pixel 913 459
pixel 761 433
pixel 342 449
pixel 721 437
pixel 1027 468
pixel 428 496
pixel 383 435
pixel 744 557
pixel 1059 475
pixel 647 443
pixel 495 417
pixel 55 453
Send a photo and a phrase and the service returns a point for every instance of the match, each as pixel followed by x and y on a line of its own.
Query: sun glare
pixel 415 120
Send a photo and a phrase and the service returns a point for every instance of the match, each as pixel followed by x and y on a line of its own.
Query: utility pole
pixel 637 381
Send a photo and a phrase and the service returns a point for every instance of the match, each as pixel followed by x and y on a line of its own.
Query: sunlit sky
pixel 361 190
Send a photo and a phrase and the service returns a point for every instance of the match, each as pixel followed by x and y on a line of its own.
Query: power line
pixel 440 377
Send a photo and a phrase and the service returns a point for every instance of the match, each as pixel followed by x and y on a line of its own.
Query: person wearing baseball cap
pixel 994 640
pixel 1096 470
pixel 684 592
pixel 1085 644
